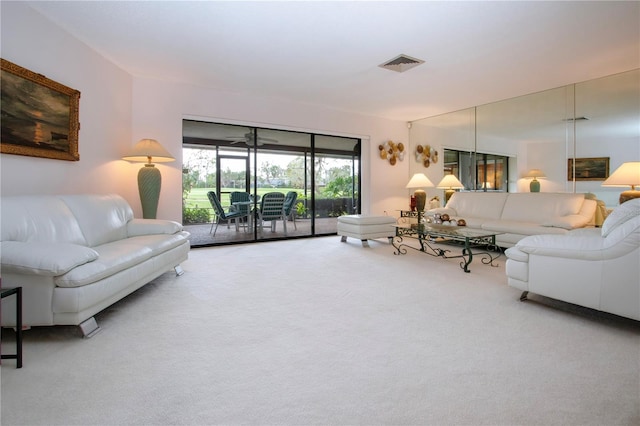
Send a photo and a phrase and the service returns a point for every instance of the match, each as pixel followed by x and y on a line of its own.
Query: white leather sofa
pixel 595 267
pixel 75 255
pixel 517 215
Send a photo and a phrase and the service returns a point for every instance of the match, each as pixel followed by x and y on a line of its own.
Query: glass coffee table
pixel 475 242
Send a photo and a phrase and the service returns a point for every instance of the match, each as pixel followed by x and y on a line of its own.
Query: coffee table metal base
pixel 484 245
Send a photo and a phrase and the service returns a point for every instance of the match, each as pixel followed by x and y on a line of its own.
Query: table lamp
pixel 449 183
pixel 419 181
pixel 628 174
pixel 149 178
pixel 534 186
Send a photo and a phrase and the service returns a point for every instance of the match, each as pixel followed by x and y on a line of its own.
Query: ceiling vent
pixel 401 63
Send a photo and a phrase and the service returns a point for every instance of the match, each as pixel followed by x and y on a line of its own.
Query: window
pixel 478 171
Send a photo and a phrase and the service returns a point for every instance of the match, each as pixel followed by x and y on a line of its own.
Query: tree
pixel 339 182
pixel 295 172
pixel 189 181
pixel 321 164
pixel 200 165
pixel 269 171
pixel 339 187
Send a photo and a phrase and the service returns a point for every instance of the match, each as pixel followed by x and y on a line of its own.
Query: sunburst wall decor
pixel 392 151
pixel 426 155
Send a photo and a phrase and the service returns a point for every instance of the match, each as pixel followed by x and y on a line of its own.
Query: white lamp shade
pixel 628 174
pixel 450 182
pixel 149 150
pixel 535 173
pixel 419 180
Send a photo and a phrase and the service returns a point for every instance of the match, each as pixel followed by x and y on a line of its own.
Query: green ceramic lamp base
pixel 534 186
pixel 149 183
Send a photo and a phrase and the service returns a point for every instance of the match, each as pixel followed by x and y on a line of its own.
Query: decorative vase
pixel 149 182
pixel 421 199
pixel 534 185
pixel 412 203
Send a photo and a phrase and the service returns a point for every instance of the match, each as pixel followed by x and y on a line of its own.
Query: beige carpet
pixel 315 331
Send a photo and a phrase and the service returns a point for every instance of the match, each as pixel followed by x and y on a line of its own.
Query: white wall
pixel 33 42
pixel 116 110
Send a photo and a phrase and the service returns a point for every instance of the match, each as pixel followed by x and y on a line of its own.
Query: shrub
pixel 301 210
pixel 195 215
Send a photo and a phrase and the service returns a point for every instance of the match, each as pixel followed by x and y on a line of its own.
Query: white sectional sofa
pixel 75 255
pixel 517 215
pixel 596 267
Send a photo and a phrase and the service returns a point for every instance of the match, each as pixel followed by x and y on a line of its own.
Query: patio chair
pixel 272 210
pixel 241 201
pixel 221 215
pixel 289 207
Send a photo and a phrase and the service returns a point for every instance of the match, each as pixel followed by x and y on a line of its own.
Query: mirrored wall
pixel 570 133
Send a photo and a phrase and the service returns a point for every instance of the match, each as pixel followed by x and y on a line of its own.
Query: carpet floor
pixel 318 332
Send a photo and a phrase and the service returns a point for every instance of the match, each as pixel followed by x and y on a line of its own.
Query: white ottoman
pixel 366 227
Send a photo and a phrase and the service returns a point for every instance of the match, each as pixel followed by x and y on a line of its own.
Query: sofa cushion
pixel 473 222
pixel 136 227
pixel 45 219
pixel 520 227
pixel 567 222
pixel 50 259
pixel 478 204
pixel 118 256
pixel 113 257
pixel 102 218
pixel 588 210
pixel 160 243
pixel 540 207
pixel 620 215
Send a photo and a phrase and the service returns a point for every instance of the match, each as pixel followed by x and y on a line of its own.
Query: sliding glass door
pixel 320 172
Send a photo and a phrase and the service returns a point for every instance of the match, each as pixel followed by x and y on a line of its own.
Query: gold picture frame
pixel 596 168
pixel 40 117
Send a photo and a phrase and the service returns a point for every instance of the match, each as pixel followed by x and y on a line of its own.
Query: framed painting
pixel 39 116
pixel 588 168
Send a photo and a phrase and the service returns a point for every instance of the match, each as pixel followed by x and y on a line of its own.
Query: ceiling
pixel 327 53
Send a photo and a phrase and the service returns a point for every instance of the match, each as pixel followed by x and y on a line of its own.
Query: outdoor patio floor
pixel 202 235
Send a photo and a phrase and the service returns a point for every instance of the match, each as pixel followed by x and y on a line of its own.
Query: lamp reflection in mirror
pixel 628 174
pixel 449 183
pixel 419 181
pixel 149 178
pixel 534 185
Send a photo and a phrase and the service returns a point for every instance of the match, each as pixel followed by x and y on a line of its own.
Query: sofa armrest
pixel 49 259
pixel 138 227
pixel 516 254
pixel 578 244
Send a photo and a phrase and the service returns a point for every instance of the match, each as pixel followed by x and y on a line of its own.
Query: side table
pixel 412 214
pixel 6 292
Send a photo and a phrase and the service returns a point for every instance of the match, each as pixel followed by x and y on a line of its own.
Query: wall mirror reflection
pixel 541 131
